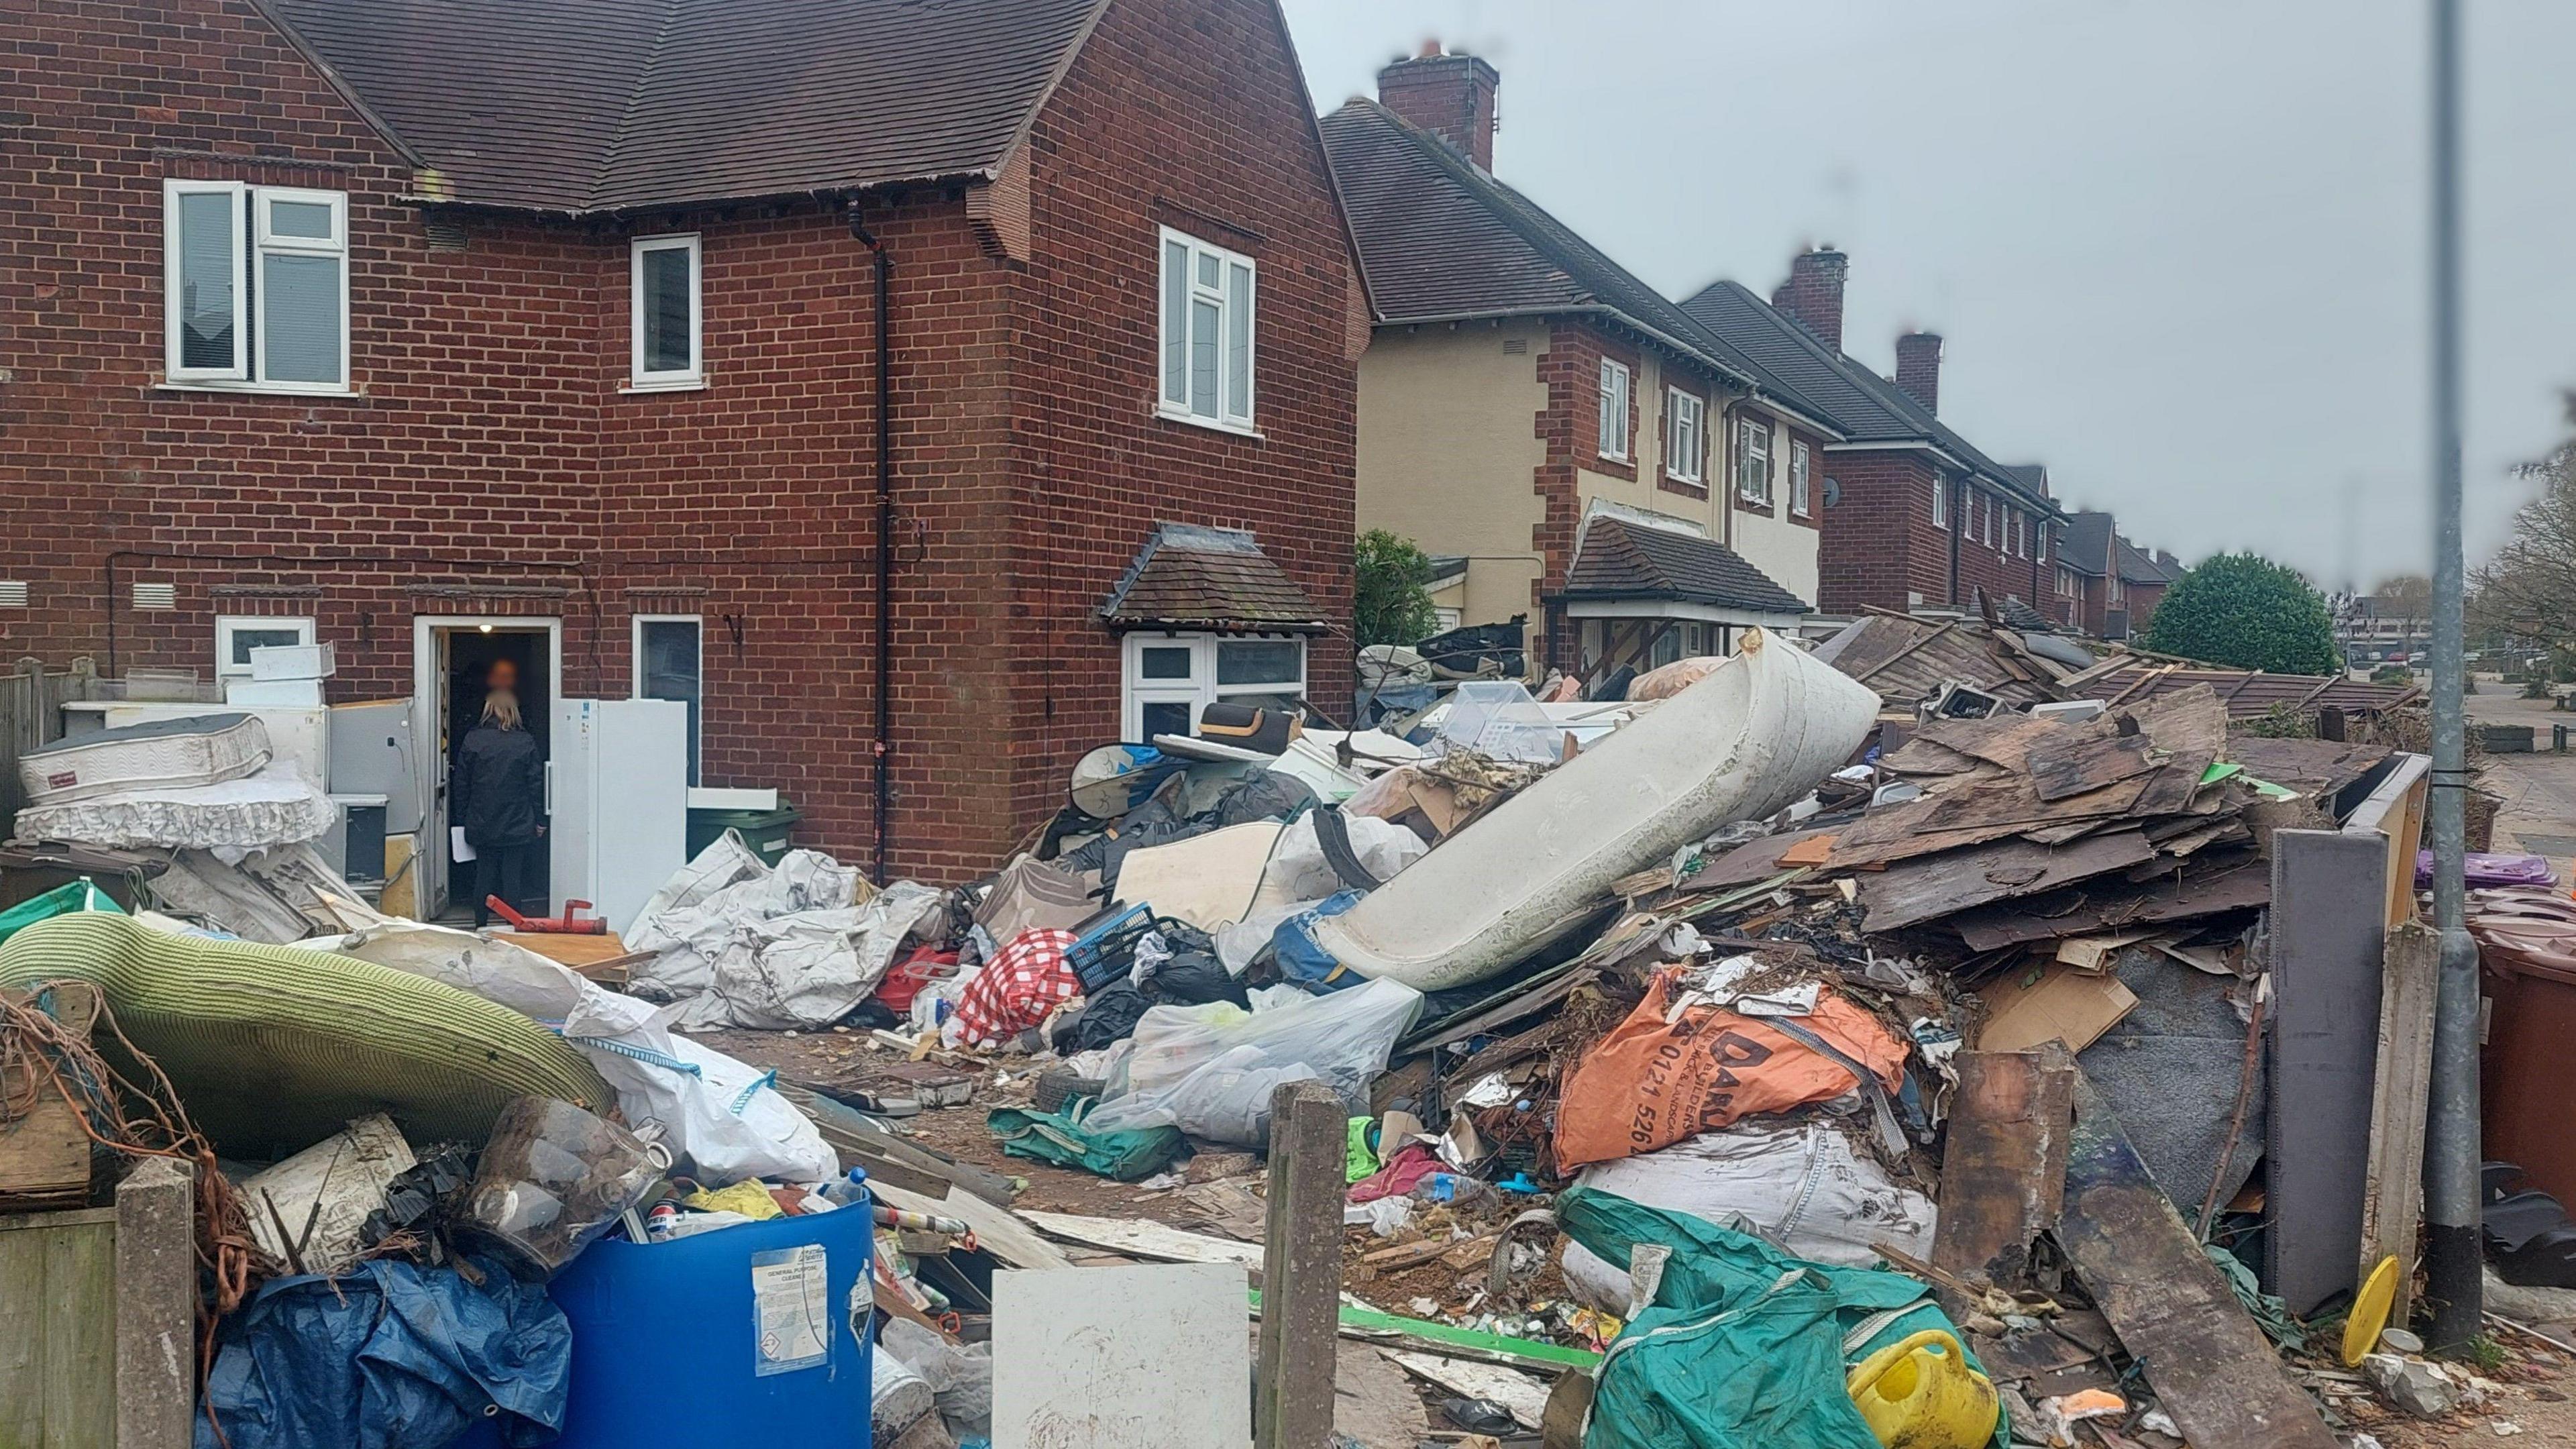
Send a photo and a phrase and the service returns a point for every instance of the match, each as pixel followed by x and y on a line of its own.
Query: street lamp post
pixel 2452 1257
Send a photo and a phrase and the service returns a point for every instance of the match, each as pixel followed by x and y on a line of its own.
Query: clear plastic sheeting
pixel 719 1117
pixel 1209 1070
pixel 1499 720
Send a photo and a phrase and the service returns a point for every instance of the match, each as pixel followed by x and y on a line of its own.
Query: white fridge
pixel 617 802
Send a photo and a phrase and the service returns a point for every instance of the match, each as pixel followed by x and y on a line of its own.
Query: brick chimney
pixel 1814 293
pixel 1918 368
pixel 1449 95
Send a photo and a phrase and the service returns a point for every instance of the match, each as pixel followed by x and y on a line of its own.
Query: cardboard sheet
pixel 2050 1001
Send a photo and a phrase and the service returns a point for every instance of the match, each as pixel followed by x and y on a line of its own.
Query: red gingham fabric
pixel 1019 987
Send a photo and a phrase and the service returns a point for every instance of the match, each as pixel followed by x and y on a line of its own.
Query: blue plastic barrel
pixel 748 1337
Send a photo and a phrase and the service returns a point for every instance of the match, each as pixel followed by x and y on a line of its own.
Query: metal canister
pixel 659 1223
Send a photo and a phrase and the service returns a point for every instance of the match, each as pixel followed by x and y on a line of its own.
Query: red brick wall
pixel 464 454
pixel 490 445
pixel 1879 542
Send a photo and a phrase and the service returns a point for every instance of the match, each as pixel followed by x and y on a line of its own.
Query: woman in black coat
pixel 497 792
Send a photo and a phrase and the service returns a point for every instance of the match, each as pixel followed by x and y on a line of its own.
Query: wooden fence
pixel 31 714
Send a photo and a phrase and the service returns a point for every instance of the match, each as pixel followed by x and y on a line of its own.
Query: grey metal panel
pixel 2327 904
pixel 371 754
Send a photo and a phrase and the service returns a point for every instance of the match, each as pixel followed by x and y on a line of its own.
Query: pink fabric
pixel 1028 979
pixel 1402 1173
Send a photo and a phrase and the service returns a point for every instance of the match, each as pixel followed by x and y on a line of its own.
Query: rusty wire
pixel 142 1117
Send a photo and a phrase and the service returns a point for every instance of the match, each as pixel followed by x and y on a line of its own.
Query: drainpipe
pixel 1958 511
pixel 884 754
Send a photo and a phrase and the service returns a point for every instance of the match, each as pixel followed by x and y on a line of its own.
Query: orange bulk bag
pixel 1651 1083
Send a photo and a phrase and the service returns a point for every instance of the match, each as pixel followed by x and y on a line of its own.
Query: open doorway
pixel 454 668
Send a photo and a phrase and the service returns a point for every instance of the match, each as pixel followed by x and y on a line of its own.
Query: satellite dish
pixel 1833 492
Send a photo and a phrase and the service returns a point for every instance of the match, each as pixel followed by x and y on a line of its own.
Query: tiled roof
pixel 1191 576
pixel 1439 238
pixel 1620 559
pixel 601 105
pixel 1867 407
pixel 2087 546
pixel 2137 568
pixel 2247 693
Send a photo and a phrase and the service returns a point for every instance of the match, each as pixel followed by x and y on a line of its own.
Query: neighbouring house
pixel 2376 628
pixel 449 330
pixel 1913 515
pixel 2118 584
pixel 1573 446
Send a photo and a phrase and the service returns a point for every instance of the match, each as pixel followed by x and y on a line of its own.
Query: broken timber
pixel 2003 1178
pixel 2211 1367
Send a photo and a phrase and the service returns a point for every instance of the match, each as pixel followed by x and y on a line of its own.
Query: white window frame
pixel 1685 414
pixel 1801 499
pixel 635 678
pixel 1752 442
pixel 1940 503
pixel 253 239
pixel 1618 391
pixel 226 625
pixel 1177 406
pixel 639 378
pixel 1201 689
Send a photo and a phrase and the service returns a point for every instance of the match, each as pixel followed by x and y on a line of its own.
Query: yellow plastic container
pixel 1919 1393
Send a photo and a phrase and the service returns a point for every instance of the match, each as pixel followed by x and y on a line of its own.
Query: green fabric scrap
pixel 1051 1137
pixel 62 900
pixel 1744 1346
pixel 2267 1310
pixel 1359 1160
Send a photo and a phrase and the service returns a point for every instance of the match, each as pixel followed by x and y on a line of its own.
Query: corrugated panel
pixel 627 103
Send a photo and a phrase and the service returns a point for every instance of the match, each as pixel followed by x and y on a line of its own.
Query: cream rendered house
pixel 1572 446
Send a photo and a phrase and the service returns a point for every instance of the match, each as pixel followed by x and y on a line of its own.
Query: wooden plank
pixel 568 948
pixel 58 1367
pixel 1141 1238
pixel 2210 1365
pixel 1942 885
pixel 2063 767
pixel 2003 1175
pixel 2393 1188
pixel 2097 906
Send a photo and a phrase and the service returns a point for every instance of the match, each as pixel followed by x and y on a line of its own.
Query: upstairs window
pixel 1206 333
pixel 665 313
pixel 1685 436
pixel 1612 442
pixel 1940 504
pixel 1753 461
pixel 256 286
pixel 1798 495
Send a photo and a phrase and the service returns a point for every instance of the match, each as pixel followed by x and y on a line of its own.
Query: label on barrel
pixel 791 1309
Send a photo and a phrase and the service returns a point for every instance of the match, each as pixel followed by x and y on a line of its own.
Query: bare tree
pixel 2528 589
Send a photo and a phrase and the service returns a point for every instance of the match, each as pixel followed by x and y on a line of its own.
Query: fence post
pixel 1301 1269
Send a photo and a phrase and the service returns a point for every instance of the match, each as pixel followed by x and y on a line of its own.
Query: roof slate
pixel 1620 559
pixel 2087 546
pixel 2137 568
pixel 1868 407
pixel 1189 575
pixel 1440 238
pixel 621 104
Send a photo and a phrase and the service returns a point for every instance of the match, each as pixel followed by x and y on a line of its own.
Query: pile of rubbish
pixel 1757 1057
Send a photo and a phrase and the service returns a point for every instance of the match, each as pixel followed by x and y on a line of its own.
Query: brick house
pixel 2118 584
pixel 441 328
pixel 1914 515
pixel 1571 446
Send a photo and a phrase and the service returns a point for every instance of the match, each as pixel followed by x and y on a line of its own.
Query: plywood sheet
pixel 1927 890
pixel 2003 1177
pixel 1121 1358
pixel 2210 1365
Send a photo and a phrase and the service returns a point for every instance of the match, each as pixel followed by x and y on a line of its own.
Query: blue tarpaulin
pixel 390 1355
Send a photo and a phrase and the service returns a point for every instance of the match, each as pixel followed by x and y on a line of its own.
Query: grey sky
pixel 2176 246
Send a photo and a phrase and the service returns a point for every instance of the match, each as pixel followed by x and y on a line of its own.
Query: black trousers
pixel 507 871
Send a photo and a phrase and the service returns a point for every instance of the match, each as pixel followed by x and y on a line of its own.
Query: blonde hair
pixel 501 709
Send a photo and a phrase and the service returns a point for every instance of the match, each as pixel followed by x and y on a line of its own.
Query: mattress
pixel 206 749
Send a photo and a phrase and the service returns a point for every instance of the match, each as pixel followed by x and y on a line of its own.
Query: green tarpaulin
pixel 62 900
pixel 1130 1156
pixel 1744 1346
